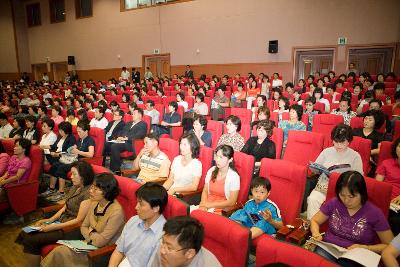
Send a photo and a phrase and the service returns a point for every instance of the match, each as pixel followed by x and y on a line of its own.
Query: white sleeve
pixel 234 184
pixel 197 168
pixel 357 164
pixel 174 164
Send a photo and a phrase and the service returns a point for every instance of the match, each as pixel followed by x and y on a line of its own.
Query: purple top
pixel 15 164
pixel 345 230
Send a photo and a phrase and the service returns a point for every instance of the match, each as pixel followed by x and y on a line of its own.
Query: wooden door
pixel 160 65
pixel 152 63
pixel 165 67
pixel 59 70
pixel 38 70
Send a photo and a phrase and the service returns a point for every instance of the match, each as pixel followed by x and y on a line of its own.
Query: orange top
pixel 253 92
pixel 240 95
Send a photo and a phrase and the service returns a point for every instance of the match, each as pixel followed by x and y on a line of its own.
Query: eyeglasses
pixel 168 249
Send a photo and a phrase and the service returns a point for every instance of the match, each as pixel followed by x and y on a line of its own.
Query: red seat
pixel 216 129
pixel 22 197
pixel 324 123
pixel 243 113
pixel 396 130
pixel 226 239
pixel 244 165
pixel 379 193
pixel 170 147
pixel 357 122
pixel 385 151
pixel 90 115
pixel 99 138
pixel 303 147
pixel 319 106
pixel 275 117
pixel 205 157
pixel 363 147
pixel 270 251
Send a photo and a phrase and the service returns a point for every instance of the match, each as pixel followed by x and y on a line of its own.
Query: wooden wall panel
pixel 10 76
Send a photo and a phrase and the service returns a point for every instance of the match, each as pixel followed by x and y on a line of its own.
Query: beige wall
pixel 224 31
pixel 8 62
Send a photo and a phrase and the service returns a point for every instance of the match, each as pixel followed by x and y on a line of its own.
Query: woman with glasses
pixel 73 211
pixel 340 157
pixel 102 226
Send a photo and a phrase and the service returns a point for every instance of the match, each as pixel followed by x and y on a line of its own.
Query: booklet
pixel 395 207
pixel 116 141
pixel 363 256
pixel 78 246
pixel 318 168
pixel 32 228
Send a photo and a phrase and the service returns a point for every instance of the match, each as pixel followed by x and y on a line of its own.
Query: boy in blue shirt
pixel 260 214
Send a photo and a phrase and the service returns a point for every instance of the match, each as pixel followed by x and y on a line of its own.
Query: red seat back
pixel 215 128
pixel 270 250
pixel 243 113
pixel 170 147
pixel 363 147
pixel 287 177
pixel 99 138
pixel 205 157
pixel 324 123
pixel 379 193
pixel 357 122
pixel 244 165
pixel 275 117
pixel 226 239
pixel 385 151
pixel 303 147
pixel 396 131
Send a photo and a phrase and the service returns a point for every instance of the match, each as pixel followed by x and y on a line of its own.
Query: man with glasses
pixel 114 129
pixel 181 245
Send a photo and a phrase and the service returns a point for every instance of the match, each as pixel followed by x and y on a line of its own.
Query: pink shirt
pixel 4 158
pixel 57 120
pixel 390 169
pixel 15 164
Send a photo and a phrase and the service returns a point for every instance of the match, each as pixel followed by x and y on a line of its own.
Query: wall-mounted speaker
pixel 273 46
pixel 71 60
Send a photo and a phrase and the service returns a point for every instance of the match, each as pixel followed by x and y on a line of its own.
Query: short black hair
pixel 374 100
pixel 140 111
pixel 153 136
pixel 260 181
pixel 193 142
pixel 298 109
pixel 236 121
pixel 151 102
pixel 286 100
pixel 310 99
pixel 202 120
pixel 49 122
pixel 154 194
pixel 58 109
pixel 395 144
pixel 66 127
pixel 32 119
pixel 174 105
pixel 341 133
pixel 379 117
pixel 21 122
pixel 379 86
pixel 120 112
pixel 200 96
pixel 25 144
pixel 108 184
pixel 355 182
pixel 189 231
pixel 289 84
pixel 85 171
pixel 84 125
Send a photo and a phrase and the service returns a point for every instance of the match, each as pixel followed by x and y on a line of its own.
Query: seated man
pixel 181 245
pixel 170 119
pixel 151 161
pixel 114 129
pixel 135 129
pixel 259 214
pixel 152 112
pixel 142 232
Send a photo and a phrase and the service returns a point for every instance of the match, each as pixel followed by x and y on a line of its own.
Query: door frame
pixel 295 49
pixel 372 46
pixel 33 67
pixel 144 57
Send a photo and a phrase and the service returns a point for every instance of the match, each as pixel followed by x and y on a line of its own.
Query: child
pixel 260 214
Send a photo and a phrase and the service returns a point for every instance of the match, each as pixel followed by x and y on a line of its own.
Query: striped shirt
pixel 152 168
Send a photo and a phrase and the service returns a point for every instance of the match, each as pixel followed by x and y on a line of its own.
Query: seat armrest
pixel 101 252
pixel 52 208
pixel 130 172
pixel 229 210
pixel 191 193
pixel 159 181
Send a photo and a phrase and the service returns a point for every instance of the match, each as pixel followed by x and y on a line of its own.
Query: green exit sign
pixel 342 41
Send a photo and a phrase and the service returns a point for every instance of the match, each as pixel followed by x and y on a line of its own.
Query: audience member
pixel 232 137
pixel 200 130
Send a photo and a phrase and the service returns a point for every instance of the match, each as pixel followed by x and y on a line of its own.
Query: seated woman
pixel 73 211
pixel 345 110
pixel 338 154
pixel 261 102
pixel 232 137
pixel 200 130
pixel 18 170
pixel 18 128
pixel 373 120
pixel 84 148
pixel 310 111
pixel 283 106
pixel 353 221
pixel 71 117
pixel 186 169
pixel 294 122
pixel 31 133
pixel 48 137
pixel 180 99
pixel 102 226
pixel 199 106
pixel 263 113
pixel 252 93
pixel 389 172
pixel 218 104
pixel 319 97
pixel 261 146
pixel 222 183
pixel 238 96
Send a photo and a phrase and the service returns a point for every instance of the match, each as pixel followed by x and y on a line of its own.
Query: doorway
pixel 372 60
pixel 307 62
pixel 38 70
pixel 58 70
pixel 160 65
